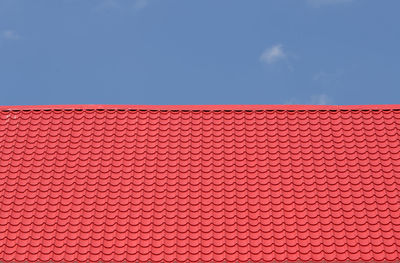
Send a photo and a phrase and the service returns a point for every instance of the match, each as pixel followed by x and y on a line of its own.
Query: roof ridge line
pixel 200 107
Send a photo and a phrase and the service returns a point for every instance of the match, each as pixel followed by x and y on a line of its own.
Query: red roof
pixel 199 183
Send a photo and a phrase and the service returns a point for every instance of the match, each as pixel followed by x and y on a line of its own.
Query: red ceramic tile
pixel 199 183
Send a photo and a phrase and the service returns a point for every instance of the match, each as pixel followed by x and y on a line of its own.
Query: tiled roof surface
pixel 200 185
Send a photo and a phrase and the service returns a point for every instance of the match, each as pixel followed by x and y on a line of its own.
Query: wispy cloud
pixel 10 35
pixel 319 3
pixel 106 5
pixel 292 101
pixel 329 79
pixel 140 4
pixel 321 99
pixel 318 99
pixel 273 54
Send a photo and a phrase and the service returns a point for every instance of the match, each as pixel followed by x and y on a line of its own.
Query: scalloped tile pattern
pixel 199 186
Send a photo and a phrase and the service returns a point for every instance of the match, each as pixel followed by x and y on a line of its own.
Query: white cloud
pixel 140 4
pixel 318 3
pixel 292 101
pixel 10 35
pixel 329 80
pixel 321 99
pixel 105 5
pixel 321 76
pixel 273 54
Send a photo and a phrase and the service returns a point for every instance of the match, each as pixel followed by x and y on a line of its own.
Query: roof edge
pixel 201 107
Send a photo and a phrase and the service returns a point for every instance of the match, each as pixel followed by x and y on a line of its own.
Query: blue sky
pixel 199 52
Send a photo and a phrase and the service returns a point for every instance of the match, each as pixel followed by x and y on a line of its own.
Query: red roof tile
pixel 199 183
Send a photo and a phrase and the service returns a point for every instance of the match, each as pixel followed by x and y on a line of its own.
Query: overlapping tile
pixel 199 185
